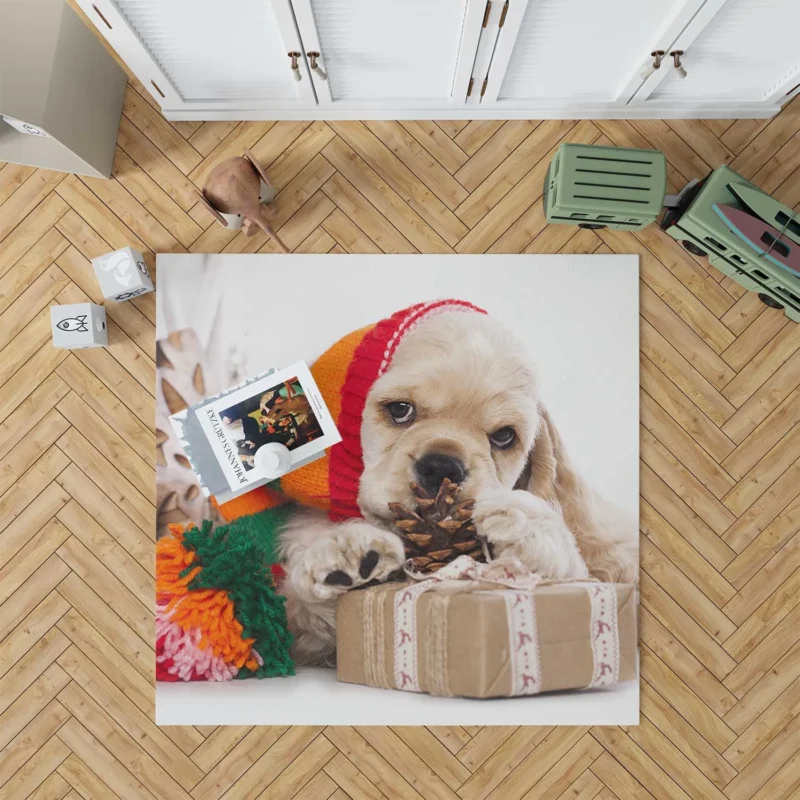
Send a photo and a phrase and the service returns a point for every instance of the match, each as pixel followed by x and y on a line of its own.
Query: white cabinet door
pixel 391 54
pixel 568 53
pixel 735 51
pixel 208 54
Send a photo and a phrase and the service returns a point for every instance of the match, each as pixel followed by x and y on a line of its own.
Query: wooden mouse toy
pixel 237 192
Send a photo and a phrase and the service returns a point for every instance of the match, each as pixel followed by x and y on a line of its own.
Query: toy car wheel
pixel 592 226
pixel 769 301
pixel 693 248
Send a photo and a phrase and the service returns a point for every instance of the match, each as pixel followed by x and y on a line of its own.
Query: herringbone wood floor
pixel 720 466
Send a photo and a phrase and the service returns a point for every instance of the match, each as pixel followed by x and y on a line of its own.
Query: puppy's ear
pixel 550 475
pixel 539 475
pixel 610 551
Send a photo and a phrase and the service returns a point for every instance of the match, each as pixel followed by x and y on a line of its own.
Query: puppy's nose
pixel 433 468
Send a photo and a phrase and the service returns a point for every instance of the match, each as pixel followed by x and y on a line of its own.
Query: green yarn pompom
pixel 237 558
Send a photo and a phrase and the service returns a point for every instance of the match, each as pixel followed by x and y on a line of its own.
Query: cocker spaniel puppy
pixel 440 390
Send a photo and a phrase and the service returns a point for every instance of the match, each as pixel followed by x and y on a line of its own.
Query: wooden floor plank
pixel 419 161
pixel 120 744
pixel 153 162
pixel 501 180
pixel 239 758
pixel 397 193
pixel 159 131
pixel 125 713
pixel 375 228
pixel 493 152
pixel 703 720
pixel 84 782
pixel 111 626
pixel 31 738
pixel 437 143
pixel 116 780
pixel 683 555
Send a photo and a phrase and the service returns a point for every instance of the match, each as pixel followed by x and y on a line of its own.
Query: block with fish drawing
pixel 122 275
pixel 78 325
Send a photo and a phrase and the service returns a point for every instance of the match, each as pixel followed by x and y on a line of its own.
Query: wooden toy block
pixel 78 325
pixel 122 275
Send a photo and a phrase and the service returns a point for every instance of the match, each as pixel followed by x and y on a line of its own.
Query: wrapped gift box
pixel 487 630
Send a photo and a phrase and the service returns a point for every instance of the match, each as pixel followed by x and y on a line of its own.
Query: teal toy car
pixel 701 230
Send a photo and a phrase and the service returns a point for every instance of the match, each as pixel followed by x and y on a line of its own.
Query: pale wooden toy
pixel 237 192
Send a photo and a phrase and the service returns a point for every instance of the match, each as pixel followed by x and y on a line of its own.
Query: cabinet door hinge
pixel 469 88
pixel 503 15
pixel 483 88
pixel 486 13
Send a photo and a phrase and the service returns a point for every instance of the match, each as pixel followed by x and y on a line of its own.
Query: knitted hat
pixel 345 374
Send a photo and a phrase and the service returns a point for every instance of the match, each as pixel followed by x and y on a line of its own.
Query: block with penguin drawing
pixel 122 275
pixel 79 325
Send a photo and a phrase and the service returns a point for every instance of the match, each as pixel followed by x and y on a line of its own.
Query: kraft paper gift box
pixel 487 630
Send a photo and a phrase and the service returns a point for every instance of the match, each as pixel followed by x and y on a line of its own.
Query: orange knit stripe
pixel 210 611
pixel 309 485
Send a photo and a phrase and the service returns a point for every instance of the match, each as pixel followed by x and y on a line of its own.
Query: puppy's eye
pixel 401 412
pixel 503 437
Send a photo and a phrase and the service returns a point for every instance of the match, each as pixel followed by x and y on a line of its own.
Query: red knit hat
pixel 345 374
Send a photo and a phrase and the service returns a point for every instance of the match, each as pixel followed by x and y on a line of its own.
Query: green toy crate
pixel 605 187
pixel 695 224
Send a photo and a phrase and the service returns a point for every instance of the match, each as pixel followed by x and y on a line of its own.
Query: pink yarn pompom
pixel 187 660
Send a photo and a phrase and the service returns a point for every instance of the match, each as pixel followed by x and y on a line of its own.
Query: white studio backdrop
pixel 579 318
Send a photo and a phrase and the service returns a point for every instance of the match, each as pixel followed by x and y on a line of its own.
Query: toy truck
pixel 597 187
pixel 703 232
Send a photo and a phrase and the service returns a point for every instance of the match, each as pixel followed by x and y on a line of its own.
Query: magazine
pixel 221 435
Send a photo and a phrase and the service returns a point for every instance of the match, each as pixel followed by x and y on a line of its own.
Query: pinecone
pixel 441 528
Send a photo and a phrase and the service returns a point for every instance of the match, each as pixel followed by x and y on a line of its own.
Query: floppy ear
pixel 539 475
pixel 610 549
pixel 213 211
pixel 256 166
pixel 550 475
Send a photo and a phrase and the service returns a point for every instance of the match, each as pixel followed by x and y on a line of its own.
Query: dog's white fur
pixel 467 377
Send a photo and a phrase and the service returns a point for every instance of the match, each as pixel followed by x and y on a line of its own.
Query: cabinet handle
pixel 657 56
pixel 294 55
pixel 676 59
pixel 317 70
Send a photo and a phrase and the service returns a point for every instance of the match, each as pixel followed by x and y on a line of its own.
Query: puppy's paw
pixel 520 524
pixel 356 554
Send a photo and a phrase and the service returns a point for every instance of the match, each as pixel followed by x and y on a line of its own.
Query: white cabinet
pixel 378 54
pixel 207 54
pixel 296 59
pixel 715 57
pixel 733 51
pixel 577 51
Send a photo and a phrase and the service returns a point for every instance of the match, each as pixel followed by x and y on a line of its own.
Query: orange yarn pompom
pixel 208 610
